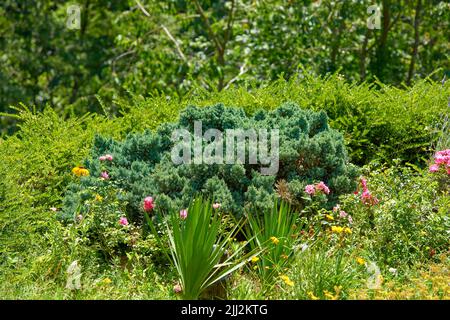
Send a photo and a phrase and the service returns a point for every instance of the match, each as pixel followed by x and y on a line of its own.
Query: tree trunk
pixel 363 57
pixel 382 54
pixel 416 42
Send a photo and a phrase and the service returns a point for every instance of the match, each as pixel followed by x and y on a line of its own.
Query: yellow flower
pixel 255 259
pixel 98 198
pixel 312 296
pixel 329 217
pixel 274 240
pixel 337 229
pixel 347 230
pixel 288 281
pixel 106 281
pixel 80 171
pixel 360 261
pixel 329 296
pixel 285 257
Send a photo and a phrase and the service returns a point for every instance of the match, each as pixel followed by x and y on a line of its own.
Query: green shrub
pixel 101 225
pixel 309 151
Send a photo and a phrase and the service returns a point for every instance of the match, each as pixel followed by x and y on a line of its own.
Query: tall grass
pixel 273 233
pixel 199 251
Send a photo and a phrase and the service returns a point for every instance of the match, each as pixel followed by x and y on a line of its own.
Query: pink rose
pixel 434 168
pixel 309 189
pixel 323 187
pixel 216 205
pixel 123 221
pixel 106 157
pixel 148 204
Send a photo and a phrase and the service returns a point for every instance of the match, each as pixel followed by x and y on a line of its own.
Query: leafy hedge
pixel 380 123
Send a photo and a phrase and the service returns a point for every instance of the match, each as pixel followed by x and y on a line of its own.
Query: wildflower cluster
pixel 366 196
pixel 441 159
pixel 319 187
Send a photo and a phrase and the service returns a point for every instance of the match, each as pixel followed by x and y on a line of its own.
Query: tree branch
pixel 177 45
pixel 208 26
pixel 416 42
pixel 242 70
pixel 142 8
pixel 229 24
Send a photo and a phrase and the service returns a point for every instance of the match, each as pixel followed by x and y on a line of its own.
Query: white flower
pixel 393 271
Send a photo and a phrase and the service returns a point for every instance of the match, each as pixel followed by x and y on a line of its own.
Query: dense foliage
pixel 92 205
pixel 170 46
pixel 330 256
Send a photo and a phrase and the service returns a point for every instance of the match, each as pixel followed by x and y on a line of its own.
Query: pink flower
pixel 442 157
pixel 309 189
pixel 148 204
pixel 183 214
pixel 106 157
pixel 350 219
pixel 368 198
pixel 123 221
pixel 216 205
pixel 105 175
pixel 53 209
pixel 343 214
pixel 448 170
pixel 438 159
pixel 336 208
pixel 366 194
pixel 434 168
pixel 443 152
pixel 364 183
pixel 177 288
pixel 322 187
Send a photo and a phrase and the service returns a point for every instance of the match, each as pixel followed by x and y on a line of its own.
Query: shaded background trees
pixel 169 47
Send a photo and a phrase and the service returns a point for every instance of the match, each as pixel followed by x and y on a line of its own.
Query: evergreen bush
pixel 309 151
